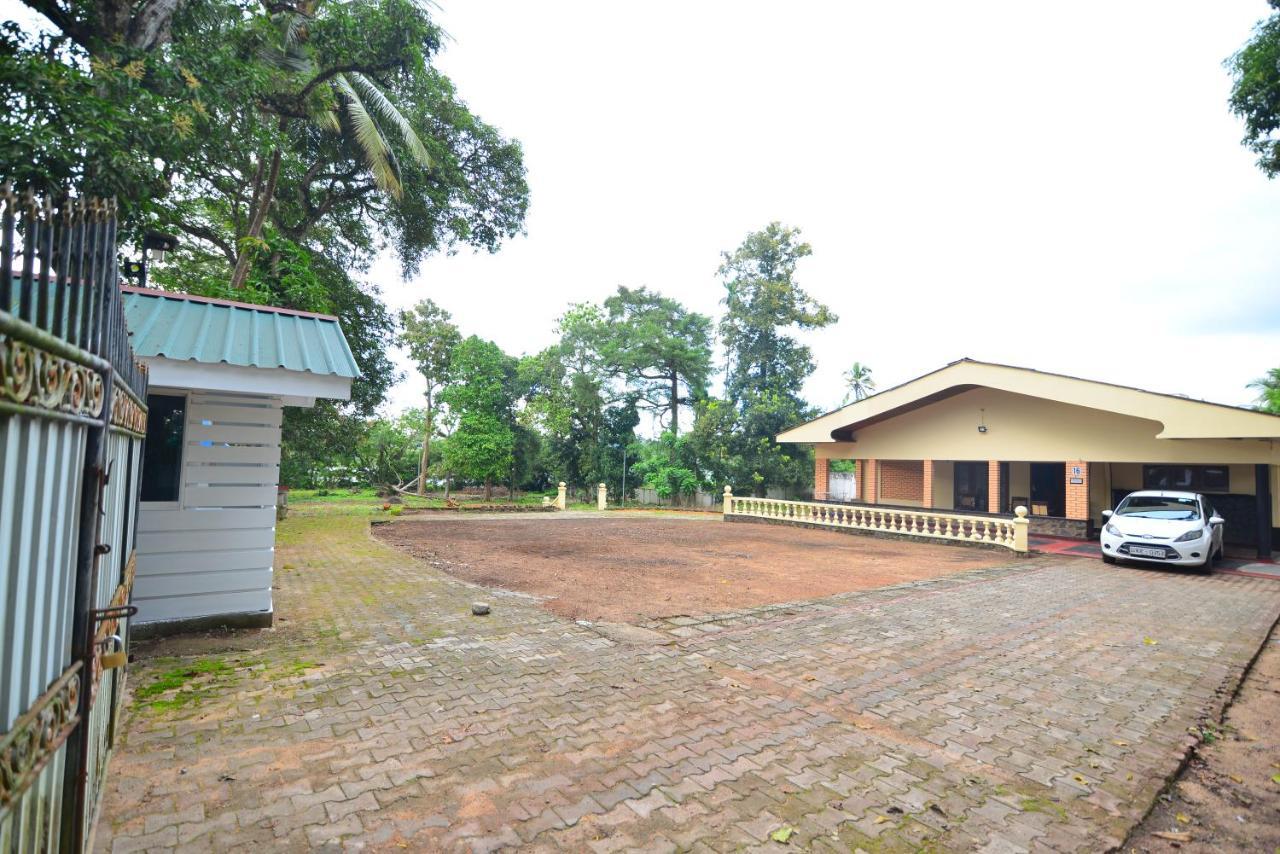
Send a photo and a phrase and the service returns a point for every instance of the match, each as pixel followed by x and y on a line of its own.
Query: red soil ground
pixel 634 568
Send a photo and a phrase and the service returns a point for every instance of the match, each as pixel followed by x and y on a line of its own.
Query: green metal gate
pixel 72 422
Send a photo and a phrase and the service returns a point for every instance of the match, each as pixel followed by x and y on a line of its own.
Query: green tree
pixel 481 398
pixel 667 465
pixel 1268 389
pixel 859 383
pixel 661 350
pixel 385 451
pixel 569 391
pixel 1255 91
pixel 767 366
pixel 431 338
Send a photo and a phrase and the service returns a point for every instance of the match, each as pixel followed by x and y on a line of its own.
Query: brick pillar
pixel 993 486
pixel 928 484
pixel 821 479
pixel 1077 493
pixel 870 476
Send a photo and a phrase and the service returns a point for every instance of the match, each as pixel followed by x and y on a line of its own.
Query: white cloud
pixel 1061 189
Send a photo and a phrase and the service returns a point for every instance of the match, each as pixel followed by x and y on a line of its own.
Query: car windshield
pixel 1159 507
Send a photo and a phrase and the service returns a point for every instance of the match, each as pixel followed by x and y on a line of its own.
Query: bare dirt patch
pixel 1228 796
pixel 634 568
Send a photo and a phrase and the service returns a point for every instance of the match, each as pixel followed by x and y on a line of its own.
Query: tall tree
pixel 569 391
pixel 431 338
pixel 767 366
pixel 1255 91
pixel 858 381
pixel 481 396
pixel 661 349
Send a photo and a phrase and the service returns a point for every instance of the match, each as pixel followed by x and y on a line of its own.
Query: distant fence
pixel 841 486
pixel 703 500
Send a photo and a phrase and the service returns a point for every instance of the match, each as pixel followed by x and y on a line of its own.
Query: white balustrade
pixel 1009 532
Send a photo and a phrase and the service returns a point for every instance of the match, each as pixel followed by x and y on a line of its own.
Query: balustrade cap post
pixel 1021 525
pixel 728 499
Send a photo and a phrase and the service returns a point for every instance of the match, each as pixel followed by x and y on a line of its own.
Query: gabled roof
pixel 185 327
pixel 1180 417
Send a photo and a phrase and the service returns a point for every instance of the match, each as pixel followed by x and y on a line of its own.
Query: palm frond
pixel 328 120
pixel 369 137
pixel 388 112
pixel 295 27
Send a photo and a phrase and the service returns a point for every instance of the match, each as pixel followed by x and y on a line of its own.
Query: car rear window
pixel 1158 507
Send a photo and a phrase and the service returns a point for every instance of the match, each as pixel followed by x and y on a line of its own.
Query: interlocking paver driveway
pixel 1034 707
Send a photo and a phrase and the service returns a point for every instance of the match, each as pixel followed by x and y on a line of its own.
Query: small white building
pixel 221 374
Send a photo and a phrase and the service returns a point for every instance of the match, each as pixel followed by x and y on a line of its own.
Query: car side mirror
pixel 1217 520
pixel 1106 514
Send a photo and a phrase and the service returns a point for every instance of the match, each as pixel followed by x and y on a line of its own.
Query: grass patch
pixel 1042 805
pixel 186 685
pixel 174 679
pixel 289 669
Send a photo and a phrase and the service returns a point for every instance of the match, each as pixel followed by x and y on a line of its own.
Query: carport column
pixel 928 484
pixel 1262 489
pixel 870 482
pixel 821 479
pixel 602 496
pixel 560 496
pixel 1077 477
pixel 993 486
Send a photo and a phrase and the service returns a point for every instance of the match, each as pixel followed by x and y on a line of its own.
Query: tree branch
pixel 206 234
pixel 62 19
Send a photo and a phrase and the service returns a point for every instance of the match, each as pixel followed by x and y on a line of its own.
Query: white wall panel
pixel 212 553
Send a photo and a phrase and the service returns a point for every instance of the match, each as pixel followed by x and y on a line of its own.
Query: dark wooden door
pixel 971 486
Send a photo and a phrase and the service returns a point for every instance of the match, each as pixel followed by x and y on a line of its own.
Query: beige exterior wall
pixel 1020 427
pixel 1100 487
pixel 1243 481
pixel 1020 480
pixel 944 480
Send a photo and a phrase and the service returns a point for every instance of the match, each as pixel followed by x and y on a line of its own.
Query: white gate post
pixel 602 495
pixel 728 499
pixel 560 496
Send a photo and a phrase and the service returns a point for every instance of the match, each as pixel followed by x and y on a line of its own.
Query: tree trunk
pixel 425 459
pixel 241 271
pixel 448 479
pixel 675 403
pixel 488 490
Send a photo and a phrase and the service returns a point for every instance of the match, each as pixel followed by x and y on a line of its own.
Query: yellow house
pixel 976 437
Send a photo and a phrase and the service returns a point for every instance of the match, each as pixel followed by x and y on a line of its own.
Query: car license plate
pixel 1142 551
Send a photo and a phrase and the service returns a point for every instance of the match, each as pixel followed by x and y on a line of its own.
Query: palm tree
pixel 1268 391
pixel 346 103
pixel 858 379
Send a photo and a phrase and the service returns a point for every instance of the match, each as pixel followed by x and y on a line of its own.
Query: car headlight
pixel 1112 530
pixel 1190 535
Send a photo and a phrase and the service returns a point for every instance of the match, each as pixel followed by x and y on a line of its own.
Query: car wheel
pixel 1108 559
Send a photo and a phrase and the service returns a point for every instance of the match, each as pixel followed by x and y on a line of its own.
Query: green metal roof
pixel 191 328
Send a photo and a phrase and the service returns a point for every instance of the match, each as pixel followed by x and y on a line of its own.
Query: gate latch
pixel 119 612
pixel 117 657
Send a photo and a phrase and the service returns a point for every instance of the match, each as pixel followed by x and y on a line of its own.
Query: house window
pixel 1187 478
pixel 162 461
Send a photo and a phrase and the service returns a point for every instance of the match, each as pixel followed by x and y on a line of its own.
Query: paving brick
pixel 982 694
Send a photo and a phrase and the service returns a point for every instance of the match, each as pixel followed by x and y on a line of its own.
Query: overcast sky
pixel 1059 187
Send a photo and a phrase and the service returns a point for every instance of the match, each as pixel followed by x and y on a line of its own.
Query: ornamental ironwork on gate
pixel 72 423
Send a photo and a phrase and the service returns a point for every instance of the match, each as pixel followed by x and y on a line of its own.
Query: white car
pixel 1174 528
